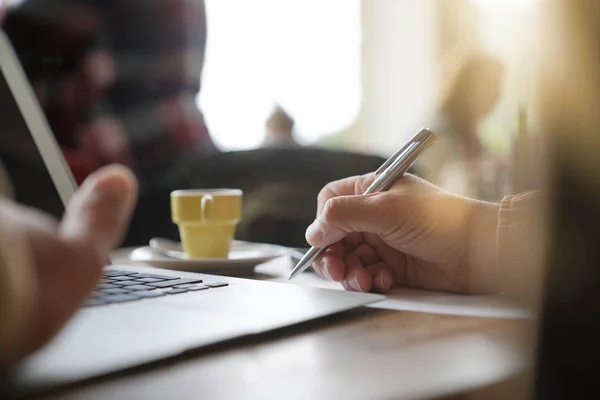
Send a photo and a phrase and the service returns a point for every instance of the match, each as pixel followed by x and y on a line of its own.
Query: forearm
pixel 156 55
pixel 16 292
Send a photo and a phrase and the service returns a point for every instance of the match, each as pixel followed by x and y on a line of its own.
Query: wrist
pixel 483 244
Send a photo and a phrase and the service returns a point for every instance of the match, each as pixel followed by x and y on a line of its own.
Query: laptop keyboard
pixel 123 286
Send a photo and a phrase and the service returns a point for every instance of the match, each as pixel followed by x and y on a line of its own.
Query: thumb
pixel 377 214
pixel 100 210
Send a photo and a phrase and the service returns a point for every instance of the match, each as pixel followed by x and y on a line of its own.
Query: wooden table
pixel 362 354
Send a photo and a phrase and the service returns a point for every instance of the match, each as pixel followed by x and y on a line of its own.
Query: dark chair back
pixel 280 186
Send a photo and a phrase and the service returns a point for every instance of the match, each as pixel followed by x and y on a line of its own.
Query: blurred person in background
pixel 472 88
pixel 279 130
pixel 117 81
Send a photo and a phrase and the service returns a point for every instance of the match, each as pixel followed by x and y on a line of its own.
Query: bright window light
pixel 301 54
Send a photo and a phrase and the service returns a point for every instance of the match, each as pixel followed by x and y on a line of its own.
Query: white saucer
pixel 243 257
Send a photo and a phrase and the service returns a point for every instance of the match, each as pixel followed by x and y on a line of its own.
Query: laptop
pixel 136 315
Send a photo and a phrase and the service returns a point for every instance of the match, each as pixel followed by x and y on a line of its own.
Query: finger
pixel 345 187
pixel 352 241
pixel 100 210
pixel 357 277
pixel 366 254
pixel 330 265
pixel 68 265
pixel 394 259
pixel 382 277
pixel 319 264
pixel 335 267
pixel 349 214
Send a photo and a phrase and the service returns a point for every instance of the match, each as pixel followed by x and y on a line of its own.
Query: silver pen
pixel 389 172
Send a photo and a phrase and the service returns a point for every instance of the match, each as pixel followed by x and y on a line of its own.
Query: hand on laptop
pixel 415 235
pixel 47 268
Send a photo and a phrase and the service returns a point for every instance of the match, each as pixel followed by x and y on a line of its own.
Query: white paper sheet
pixel 429 302
pixel 451 304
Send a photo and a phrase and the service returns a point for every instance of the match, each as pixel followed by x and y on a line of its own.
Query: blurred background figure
pixel 117 82
pixel 471 89
pixel 279 130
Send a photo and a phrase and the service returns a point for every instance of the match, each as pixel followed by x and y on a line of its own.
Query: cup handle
pixel 206 200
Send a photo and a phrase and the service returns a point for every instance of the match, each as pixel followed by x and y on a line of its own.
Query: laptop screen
pixel 28 175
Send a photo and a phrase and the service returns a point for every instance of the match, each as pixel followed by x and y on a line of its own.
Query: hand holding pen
pixel 391 170
pixel 414 235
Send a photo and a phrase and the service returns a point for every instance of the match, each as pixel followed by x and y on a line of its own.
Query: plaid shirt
pixel 117 79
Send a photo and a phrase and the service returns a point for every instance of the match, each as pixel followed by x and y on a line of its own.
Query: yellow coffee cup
pixel 206 220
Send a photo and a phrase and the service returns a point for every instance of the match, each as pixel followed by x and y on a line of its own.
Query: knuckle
pixel 346 186
pixel 332 209
pixel 324 195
